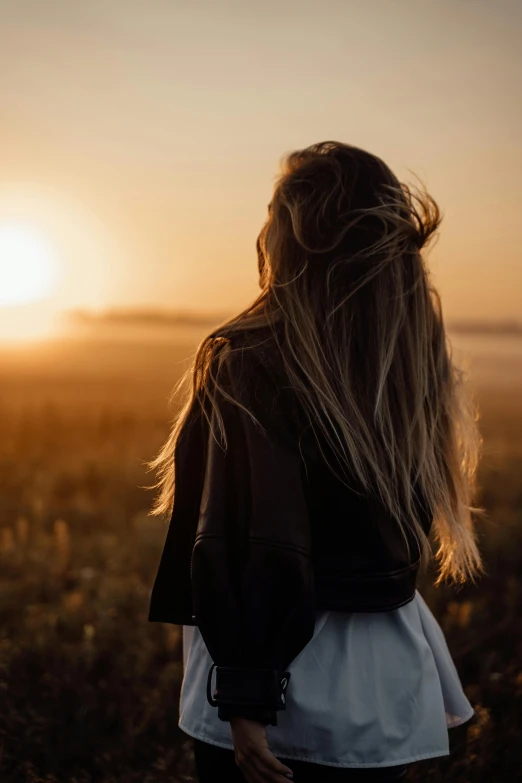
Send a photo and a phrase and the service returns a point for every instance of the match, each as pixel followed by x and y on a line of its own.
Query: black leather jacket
pixel 262 535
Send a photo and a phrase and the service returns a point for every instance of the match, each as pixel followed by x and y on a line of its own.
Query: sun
pixel 28 268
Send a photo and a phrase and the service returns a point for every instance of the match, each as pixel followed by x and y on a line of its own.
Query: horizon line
pixel 188 317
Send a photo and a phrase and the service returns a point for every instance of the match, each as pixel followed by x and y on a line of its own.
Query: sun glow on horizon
pixel 28 265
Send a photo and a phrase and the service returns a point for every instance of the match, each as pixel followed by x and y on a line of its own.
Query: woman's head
pixel 359 327
pixel 338 212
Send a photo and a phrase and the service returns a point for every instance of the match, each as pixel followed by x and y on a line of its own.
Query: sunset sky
pixel 140 140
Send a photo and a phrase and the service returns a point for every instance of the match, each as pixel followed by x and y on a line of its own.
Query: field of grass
pixel 88 688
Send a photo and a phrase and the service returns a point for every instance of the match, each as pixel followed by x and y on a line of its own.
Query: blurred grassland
pixel 88 688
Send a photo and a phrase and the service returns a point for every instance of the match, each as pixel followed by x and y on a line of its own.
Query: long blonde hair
pixel 365 349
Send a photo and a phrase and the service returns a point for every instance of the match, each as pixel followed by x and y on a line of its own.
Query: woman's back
pixel 354 536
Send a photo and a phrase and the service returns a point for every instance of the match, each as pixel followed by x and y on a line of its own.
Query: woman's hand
pixel 253 756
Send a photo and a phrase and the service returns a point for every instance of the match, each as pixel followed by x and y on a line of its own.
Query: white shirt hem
pixel 459 721
pixel 355 765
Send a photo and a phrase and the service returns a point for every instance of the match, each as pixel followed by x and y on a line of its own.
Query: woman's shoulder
pixel 254 338
pixel 254 367
pixel 254 352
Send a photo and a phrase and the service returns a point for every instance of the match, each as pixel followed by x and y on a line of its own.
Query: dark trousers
pixel 214 764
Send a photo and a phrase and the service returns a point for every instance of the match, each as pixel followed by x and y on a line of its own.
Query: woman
pixel 325 435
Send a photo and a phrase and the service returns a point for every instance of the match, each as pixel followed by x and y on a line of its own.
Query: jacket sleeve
pixel 251 570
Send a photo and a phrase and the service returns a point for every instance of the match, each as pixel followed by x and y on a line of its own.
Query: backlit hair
pixel 343 277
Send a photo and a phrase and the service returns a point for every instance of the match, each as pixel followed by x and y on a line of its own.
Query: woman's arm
pixel 252 577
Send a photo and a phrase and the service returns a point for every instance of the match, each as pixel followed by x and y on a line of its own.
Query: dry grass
pixel 89 689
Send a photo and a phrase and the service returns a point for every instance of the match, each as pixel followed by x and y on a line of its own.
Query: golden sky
pixel 142 138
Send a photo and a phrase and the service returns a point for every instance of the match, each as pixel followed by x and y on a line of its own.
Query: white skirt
pixel 369 690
